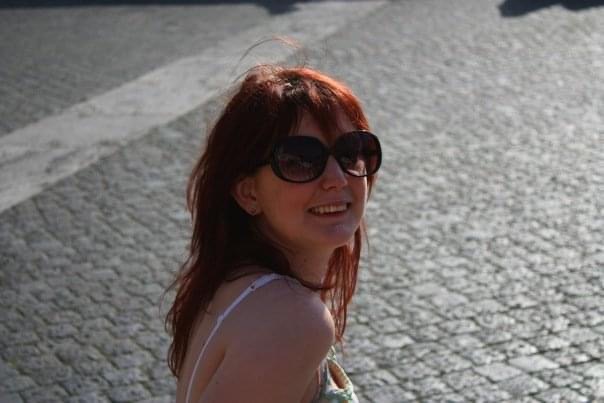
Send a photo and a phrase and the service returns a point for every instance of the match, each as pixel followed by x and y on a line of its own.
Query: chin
pixel 335 239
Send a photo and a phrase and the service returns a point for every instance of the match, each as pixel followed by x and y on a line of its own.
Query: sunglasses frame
pixel 274 163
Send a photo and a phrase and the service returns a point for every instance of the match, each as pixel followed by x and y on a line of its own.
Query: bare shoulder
pixel 286 309
pixel 277 336
pixel 302 309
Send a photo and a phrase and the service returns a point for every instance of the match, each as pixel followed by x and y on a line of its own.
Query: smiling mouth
pixel 330 209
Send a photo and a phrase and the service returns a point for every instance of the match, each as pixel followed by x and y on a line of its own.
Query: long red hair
pixel 267 106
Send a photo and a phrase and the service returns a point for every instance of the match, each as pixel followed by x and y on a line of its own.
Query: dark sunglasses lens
pixel 358 153
pixel 299 159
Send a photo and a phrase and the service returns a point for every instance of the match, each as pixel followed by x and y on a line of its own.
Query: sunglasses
pixel 301 159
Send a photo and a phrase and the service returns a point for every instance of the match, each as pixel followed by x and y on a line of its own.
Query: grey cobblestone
pixel 516 348
pixel 568 356
pixel 462 342
pixel 484 279
pixel 561 395
pixel 395 341
pixel 78 386
pixel 128 393
pixel 550 342
pixel 388 394
pixel 448 398
pixel 376 378
pixel 533 363
pixel 160 399
pixel 447 362
pixel 159 385
pixel 590 370
pixel 486 393
pixel 123 377
pixel 491 338
pixel 10 398
pixel 578 335
pixel 523 385
pixel 51 67
pixel 46 394
pixel 414 371
pixel 17 383
pixel 483 356
pixel 498 371
pixel 524 399
pixel 427 387
pixel 427 333
pixel 92 397
pixel 465 379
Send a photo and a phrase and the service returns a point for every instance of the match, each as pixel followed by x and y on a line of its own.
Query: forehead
pixel 308 126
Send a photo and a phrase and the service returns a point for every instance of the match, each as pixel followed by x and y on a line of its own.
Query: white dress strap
pixel 259 282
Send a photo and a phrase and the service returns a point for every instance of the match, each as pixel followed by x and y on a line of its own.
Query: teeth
pixel 330 208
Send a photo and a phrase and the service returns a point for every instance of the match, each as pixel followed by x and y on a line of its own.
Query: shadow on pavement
pixel 273 6
pixel 516 8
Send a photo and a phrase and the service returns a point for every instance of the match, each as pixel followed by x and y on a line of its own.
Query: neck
pixel 311 267
pixel 308 264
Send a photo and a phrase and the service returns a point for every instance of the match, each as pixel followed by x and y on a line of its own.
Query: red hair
pixel 267 106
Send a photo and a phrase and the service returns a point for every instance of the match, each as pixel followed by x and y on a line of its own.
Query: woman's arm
pixel 277 344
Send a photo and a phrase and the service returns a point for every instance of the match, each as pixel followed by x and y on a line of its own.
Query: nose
pixel 333 177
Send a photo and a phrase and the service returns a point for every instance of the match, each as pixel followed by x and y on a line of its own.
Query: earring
pixel 252 211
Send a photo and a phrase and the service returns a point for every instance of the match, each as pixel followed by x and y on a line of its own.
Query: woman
pixel 277 201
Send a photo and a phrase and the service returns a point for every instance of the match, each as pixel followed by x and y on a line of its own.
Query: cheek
pixel 284 202
pixel 361 190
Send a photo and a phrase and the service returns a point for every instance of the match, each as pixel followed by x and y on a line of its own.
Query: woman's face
pixel 300 217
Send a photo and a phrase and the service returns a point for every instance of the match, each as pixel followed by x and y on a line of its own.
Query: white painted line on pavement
pixel 40 154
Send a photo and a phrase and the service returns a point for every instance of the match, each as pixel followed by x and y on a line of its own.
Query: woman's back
pixel 269 346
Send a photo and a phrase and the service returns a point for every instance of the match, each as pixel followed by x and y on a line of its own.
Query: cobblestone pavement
pixel 57 56
pixel 484 279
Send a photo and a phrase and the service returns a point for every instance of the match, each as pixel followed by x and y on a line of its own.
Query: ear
pixel 244 193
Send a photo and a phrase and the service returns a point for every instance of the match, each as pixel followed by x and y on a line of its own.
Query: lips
pixel 331 208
